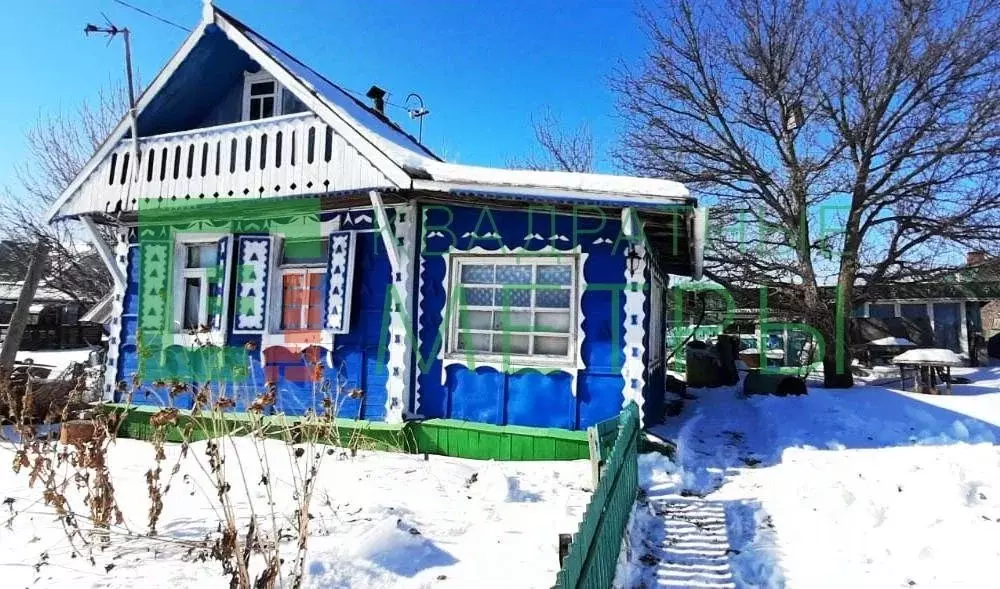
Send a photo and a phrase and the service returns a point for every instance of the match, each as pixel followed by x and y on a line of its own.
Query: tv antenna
pixel 417 113
pixel 112 31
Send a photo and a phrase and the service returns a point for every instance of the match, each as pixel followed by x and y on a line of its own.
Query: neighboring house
pixel 300 231
pixel 54 318
pixel 48 305
pixel 961 313
pixel 964 312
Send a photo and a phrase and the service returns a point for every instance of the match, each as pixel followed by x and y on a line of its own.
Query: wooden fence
pixel 593 553
pixel 53 337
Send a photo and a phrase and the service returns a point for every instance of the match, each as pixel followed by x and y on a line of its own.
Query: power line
pixel 151 15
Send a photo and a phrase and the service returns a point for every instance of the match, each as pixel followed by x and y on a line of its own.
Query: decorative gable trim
pixel 339 122
pixel 116 135
pixel 393 171
pixel 633 368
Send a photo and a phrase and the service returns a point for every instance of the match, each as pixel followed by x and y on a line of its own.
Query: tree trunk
pixel 835 377
pixel 836 333
pixel 19 320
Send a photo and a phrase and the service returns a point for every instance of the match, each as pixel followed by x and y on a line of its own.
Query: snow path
pixel 716 439
pixel 867 487
pixel 694 550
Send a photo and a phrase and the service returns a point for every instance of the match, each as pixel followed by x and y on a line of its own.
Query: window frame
pixel 304 271
pixel 201 274
pixel 249 79
pixel 533 259
pixel 182 241
pixel 304 268
pixel 887 305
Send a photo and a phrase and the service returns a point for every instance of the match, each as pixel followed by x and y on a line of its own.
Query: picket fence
pixel 593 553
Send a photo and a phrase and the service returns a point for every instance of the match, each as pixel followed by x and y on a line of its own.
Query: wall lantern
pixel 633 259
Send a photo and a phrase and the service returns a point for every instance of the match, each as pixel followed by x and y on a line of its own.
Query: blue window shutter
pixel 217 288
pixel 340 274
pixel 253 266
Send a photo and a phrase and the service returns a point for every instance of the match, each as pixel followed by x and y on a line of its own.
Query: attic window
pixel 261 97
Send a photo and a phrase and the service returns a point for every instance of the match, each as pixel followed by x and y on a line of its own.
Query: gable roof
pixel 397 155
pixel 377 127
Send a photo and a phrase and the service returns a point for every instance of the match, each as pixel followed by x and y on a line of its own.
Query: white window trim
pixel 261 76
pixel 273 335
pixel 213 336
pixel 202 275
pixel 514 361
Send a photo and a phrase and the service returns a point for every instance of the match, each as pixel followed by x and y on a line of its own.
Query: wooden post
pixel 594 443
pixel 19 320
pixel 565 541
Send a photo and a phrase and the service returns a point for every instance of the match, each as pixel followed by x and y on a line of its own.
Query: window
pixel 303 283
pixel 881 310
pixel 261 97
pixel 198 259
pixel 913 310
pixel 512 306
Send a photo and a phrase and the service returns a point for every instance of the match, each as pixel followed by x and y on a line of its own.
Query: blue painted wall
pixel 216 68
pixel 529 397
pixel 483 394
pixel 356 362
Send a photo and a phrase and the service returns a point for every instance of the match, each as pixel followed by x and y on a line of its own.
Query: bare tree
pixel 59 145
pixel 560 149
pixel 841 143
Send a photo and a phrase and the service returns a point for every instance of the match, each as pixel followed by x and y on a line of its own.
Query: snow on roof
pixel 414 162
pixel 928 356
pixel 421 162
pixel 10 291
pixel 892 341
pixel 574 181
pixel 382 132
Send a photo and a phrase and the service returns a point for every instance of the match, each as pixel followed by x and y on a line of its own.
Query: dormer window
pixel 261 97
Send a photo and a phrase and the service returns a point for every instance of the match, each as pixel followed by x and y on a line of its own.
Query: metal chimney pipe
pixel 378 99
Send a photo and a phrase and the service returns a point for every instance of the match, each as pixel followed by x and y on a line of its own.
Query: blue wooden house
pixel 268 217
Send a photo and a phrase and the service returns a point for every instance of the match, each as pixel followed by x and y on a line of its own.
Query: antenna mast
pixel 112 31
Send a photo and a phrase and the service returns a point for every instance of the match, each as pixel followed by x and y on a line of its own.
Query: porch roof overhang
pixel 165 211
pixel 668 221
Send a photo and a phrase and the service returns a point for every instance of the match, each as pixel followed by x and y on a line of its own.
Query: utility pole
pixel 19 320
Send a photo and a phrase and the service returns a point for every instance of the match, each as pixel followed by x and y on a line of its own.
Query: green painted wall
pixel 445 437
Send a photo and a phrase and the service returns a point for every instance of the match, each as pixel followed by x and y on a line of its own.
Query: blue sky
pixel 483 68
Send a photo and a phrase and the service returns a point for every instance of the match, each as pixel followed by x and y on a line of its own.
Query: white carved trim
pixel 340 276
pixel 418 255
pixel 635 332
pixel 399 363
pixel 254 251
pixel 274 336
pixel 117 308
pixel 210 164
pixel 217 332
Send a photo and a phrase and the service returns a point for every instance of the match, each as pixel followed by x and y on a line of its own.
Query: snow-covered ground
pixel 379 520
pixel 868 487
